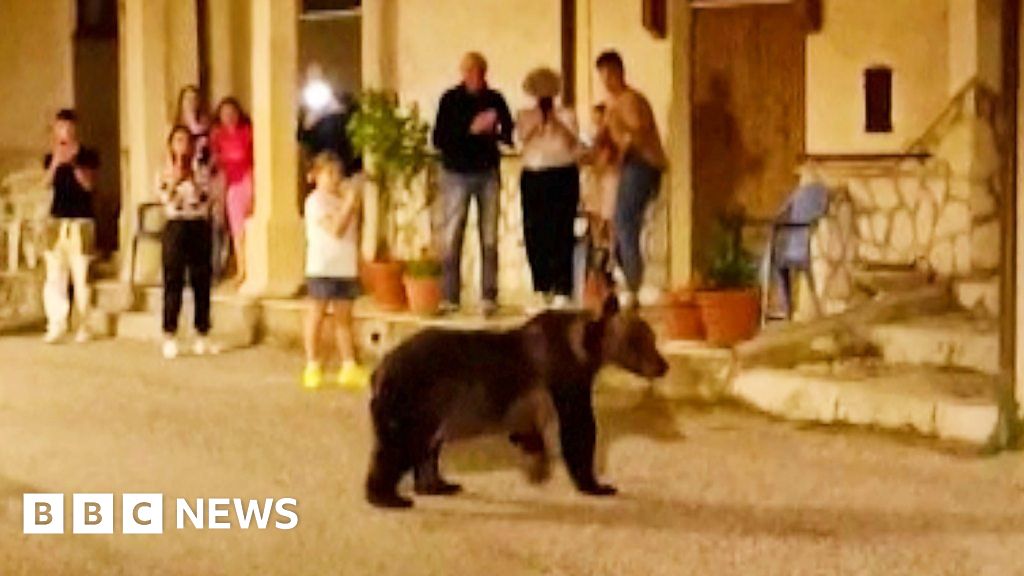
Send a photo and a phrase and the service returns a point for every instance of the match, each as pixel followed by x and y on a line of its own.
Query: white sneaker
pixel 170 349
pixel 83 335
pixel 537 303
pixel 203 346
pixel 53 336
pixel 627 300
pixel 561 302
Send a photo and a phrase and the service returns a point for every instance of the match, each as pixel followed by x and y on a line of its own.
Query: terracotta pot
pixel 384 280
pixel 683 321
pixel 729 316
pixel 424 293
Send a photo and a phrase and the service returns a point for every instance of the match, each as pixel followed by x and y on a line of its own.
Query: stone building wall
pixel 917 213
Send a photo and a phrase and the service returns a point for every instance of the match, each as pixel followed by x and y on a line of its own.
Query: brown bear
pixel 443 385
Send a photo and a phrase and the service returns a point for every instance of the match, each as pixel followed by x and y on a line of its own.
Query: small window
pixel 878 99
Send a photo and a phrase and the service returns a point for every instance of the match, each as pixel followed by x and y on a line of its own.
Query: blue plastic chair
pixel 789 247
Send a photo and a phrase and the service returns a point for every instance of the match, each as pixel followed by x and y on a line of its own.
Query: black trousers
pixel 187 249
pixel 550 198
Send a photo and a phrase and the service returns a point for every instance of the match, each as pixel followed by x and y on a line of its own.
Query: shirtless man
pixel 631 125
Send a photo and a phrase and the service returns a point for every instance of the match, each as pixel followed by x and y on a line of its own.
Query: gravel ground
pixel 704 491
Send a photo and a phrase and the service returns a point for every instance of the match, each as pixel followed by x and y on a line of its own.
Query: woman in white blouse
pixel 550 186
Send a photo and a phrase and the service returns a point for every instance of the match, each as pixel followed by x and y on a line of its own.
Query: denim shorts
pixel 333 288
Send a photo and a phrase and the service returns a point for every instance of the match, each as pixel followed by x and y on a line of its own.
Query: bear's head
pixel 627 341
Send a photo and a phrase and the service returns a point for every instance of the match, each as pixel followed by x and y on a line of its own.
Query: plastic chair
pixel 144 233
pixel 789 247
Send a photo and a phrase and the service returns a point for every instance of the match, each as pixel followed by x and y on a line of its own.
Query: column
pixel 146 99
pixel 380 39
pixel 229 41
pixel 680 147
pixel 274 235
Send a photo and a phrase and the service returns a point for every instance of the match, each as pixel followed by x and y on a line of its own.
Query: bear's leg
pixel 427 474
pixel 538 468
pixel 388 466
pixel 578 435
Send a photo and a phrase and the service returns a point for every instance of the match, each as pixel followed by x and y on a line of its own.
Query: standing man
pixel 71 172
pixel 472 120
pixel 631 126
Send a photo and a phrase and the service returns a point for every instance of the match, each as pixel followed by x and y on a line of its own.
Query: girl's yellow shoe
pixel 353 376
pixel 312 377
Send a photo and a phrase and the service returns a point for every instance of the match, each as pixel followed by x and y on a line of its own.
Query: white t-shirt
pixel 547 148
pixel 327 255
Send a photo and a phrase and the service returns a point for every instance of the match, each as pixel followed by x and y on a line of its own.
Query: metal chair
pixel 789 248
pixel 144 233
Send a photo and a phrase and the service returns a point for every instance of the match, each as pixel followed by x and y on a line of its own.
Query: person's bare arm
pixel 336 223
pixel 86 178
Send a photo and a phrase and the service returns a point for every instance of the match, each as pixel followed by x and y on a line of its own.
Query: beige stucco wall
pixel 861 33
pixel 432 35
pixel 618 25
pixel 35 56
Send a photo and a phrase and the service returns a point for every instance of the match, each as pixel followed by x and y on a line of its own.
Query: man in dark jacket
pixel 472 120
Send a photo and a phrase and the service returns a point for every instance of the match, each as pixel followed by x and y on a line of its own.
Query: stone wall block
pixel 983 201
pixel 962 255
pixel 939 188
pixel 884 192
pixel 902 237
pixel 925 222
pixel 984 246
pixel 954 219
pixel 861 194
pixel 941 257
pixel 911 190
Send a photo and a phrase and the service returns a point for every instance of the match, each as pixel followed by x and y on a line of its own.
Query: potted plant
pixel 730 303
pixel 393 141
pixel 683 316
pixel 423 285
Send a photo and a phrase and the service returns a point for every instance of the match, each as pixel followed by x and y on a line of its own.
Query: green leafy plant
pixel 729 265
pixel 424 267
pixel 394 143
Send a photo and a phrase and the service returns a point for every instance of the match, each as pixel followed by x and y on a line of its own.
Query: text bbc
pixel 144 513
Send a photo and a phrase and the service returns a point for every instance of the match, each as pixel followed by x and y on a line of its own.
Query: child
pixel 332 241
pixel 600 186
pixel 187 240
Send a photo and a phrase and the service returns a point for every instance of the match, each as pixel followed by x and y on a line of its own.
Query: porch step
pixel 376 331
pixel 947 341
pixel 956 406
pixel 235 321
pixel 979 296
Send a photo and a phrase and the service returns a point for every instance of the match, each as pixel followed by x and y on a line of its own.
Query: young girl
pixel 192 113
pixel 332 245
pixel 598 200
pixel 231 144
pixel 186 240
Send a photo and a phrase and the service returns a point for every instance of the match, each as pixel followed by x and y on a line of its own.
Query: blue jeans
pixel 638 185
pixel 457 189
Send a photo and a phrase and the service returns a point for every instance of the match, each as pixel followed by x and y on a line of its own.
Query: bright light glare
pixel 317 95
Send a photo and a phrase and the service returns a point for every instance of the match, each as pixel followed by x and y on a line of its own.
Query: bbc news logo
pixel 144 513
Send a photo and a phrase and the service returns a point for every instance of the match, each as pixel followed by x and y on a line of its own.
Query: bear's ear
pixel 610 307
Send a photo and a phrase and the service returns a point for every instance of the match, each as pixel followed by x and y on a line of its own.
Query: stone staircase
pixel 911 360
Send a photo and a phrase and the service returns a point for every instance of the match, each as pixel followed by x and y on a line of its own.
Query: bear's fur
pixel 443 385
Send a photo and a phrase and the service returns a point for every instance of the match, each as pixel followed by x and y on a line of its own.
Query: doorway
pixel 96 69
pixel 748 112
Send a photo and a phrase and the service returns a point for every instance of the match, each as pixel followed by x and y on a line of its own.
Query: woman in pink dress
pixel 231 144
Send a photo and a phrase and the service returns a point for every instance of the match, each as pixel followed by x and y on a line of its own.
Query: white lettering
pixel 196 516
pixel 217 509
pixel 292 515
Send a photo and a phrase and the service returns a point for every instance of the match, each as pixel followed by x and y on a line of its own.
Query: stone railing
pixel 24 204
pixel 902 211
pixel 418 217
